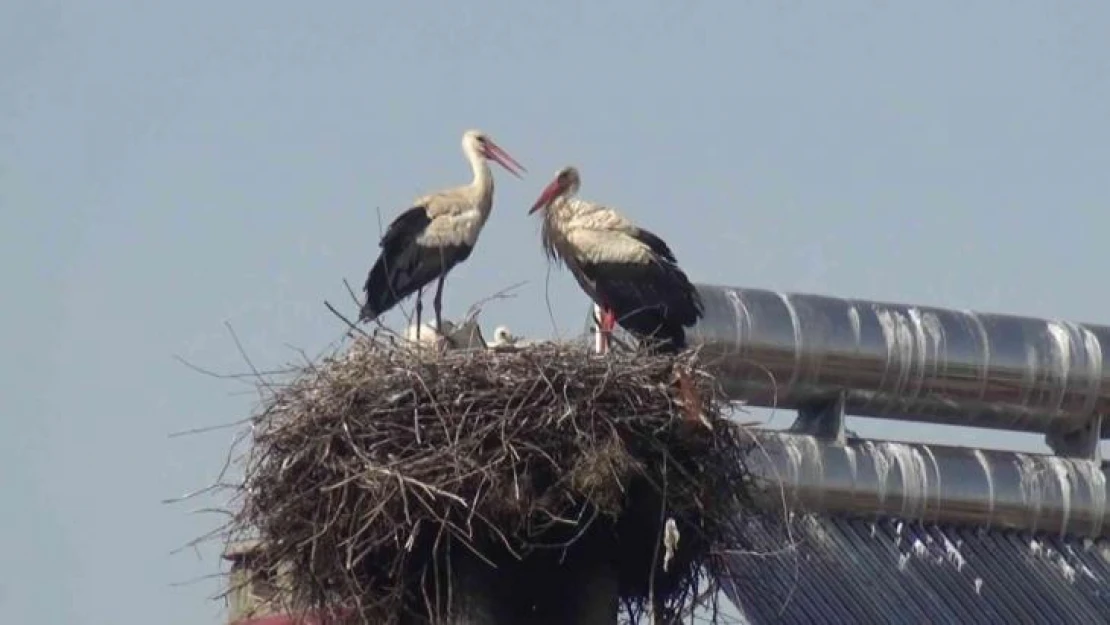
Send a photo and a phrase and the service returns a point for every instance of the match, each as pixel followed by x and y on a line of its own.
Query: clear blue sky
pixel 169 167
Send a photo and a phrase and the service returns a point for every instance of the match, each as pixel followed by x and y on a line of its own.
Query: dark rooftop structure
pixel 912 535
pixel 844 570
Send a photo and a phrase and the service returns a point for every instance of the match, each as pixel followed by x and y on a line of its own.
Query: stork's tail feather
pixel 656 333
pixel 382 293
pixel 369 312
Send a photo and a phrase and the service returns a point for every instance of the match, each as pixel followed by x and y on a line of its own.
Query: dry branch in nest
pixel 370 471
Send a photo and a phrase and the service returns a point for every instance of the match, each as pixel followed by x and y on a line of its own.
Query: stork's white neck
pixel 483 177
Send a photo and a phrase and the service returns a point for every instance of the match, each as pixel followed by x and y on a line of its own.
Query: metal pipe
pixel 933 484
pixel 910 362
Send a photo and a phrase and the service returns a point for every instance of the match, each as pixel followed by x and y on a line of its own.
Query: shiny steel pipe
pixel 932 484
pixel 910 362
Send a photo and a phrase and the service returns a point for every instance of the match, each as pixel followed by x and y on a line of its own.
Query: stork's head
pixel 478 142
pixel 566 183
pixel 502 336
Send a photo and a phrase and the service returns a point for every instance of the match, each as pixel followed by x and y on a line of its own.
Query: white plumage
pixel 595 233
pixel 502 337
pixel 467 335
pixel 425 334
pixel 505 340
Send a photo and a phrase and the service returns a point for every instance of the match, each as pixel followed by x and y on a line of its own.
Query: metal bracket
pixel 1081 444
pixel 824 420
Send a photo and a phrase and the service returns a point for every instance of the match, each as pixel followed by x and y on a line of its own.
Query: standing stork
pixel 629 272
pixel 436 233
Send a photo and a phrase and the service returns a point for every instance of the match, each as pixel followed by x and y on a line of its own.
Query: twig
pixel 209 428
pixel 253 376
pixel 345 320
pixel 502 294
pixel 351 292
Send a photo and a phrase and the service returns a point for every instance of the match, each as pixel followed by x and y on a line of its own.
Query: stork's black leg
pixel 437 304
pixel 419 309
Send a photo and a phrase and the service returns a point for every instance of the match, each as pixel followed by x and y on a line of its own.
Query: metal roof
pixel 832 569
pixel 950 486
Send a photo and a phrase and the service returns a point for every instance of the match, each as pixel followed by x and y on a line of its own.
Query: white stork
pixel 438 232
pixel 629 272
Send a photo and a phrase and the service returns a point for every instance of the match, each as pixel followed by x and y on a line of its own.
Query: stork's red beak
pixel 549 193
pixel 496 154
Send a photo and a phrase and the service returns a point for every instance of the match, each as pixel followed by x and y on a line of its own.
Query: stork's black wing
pixel 406 226
pixel 652 300
pixel 657 245
pixel 404 266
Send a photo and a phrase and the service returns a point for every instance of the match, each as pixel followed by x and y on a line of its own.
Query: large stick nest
pixel 370 471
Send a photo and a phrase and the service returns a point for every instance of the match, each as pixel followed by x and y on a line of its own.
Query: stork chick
pixel 505 340
pixel 467 335
pixel 425 335
pixel 502 337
